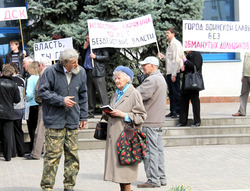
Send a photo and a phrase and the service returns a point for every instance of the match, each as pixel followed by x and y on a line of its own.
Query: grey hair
pixel 45 61
pixel 28 59
pixel 125 75
pixel 67 55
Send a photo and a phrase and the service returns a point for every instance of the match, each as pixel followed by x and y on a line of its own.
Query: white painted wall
pixel 223 79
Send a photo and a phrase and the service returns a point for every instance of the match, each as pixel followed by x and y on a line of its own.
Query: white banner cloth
pixel 216 36
pixel 52 49
pixel 125 34
pixel 13 13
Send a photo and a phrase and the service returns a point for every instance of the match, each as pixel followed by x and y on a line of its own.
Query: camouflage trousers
pixel 57 141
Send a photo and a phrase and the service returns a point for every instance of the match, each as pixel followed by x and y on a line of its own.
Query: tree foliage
pixel 68 18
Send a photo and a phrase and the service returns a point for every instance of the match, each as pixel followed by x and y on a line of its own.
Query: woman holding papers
pixel 127 106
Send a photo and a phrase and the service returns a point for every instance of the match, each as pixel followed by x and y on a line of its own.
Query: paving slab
pixel 203 168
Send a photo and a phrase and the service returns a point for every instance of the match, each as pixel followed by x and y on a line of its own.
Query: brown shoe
pixel 147 185
pixel 237 114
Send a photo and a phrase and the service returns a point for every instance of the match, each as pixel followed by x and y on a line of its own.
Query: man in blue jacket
pixel 95 75
pixel 63 91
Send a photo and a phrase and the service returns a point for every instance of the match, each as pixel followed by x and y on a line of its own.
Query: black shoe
pixel 29 157
pixel 180 125
pixel 196 125
pixel 175 116
pixel 68 190
pixel 169 115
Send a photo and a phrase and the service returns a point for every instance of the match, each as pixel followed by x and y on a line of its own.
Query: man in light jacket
pixel 174 63
pixel 153 90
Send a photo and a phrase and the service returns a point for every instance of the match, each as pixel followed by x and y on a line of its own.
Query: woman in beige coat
pixel 127 105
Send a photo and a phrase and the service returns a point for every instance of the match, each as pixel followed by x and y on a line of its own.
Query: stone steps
pixel 214 131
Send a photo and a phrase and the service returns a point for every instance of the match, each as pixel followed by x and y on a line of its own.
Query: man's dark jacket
pixel 1 64
pixel 9 94
pixel 53 89
pixel 99 63
pixel 8 60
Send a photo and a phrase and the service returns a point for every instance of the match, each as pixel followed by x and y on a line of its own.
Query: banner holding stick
pixel 125 34
pixel 92 60
pixel 21 30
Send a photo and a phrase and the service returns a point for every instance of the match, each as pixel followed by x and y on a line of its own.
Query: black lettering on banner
pixel 193 26
pixel 46 46
pixel 55 42
pixel 41 46
pixel 59 44
pixel 36 47
pixel 215 36
pixel 51 46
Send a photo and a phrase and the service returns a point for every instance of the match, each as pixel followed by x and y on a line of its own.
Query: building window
pixel 9 29
pixel 218 10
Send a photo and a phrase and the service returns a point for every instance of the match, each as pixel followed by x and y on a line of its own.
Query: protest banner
pixel 216 36
pixel 52 49
pixel 125 34
pixel 13 13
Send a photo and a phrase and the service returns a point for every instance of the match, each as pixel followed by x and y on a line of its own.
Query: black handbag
pixel 131 145
pixel 194 81
pixel 101 130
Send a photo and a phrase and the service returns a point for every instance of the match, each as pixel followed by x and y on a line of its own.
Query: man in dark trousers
pixel 174 63
pixel 9 94
pixel 95 75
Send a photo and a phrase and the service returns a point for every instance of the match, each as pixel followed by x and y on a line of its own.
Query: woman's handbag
pixel 101 130
pixel 131 145
pixel 194 81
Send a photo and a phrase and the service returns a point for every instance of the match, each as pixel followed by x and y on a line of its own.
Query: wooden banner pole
pixel 21 30
pixel 93 65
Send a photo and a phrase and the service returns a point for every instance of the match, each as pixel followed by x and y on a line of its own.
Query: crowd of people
pixel 24 73
pixel 57 99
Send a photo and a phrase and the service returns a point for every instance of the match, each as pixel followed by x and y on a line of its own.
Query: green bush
pixel 180 188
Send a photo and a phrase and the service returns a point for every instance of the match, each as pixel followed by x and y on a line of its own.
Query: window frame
pixel 230 56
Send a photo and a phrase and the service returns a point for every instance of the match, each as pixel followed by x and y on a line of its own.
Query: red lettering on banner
pixel 22 15
pixel 234 45
pixel 7 17
pixel 216 45
pixel 137 23
pixel 14 11
pixel 14 14
pixel 92 25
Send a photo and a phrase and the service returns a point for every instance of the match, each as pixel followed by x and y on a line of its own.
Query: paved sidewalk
pixel 203 168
